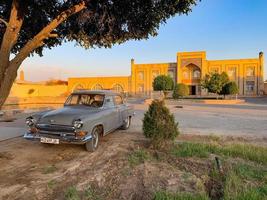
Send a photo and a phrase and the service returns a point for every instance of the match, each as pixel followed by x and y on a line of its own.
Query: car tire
pixel 92 145
pixel 126 123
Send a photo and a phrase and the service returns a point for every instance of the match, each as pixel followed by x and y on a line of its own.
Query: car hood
pixel 66 115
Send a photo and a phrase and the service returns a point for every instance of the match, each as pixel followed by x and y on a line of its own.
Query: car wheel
pixel 92 145
pixel 126 123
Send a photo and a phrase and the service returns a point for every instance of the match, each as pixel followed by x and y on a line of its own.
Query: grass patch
pixel 163 195
pixel 247 152
pixel 49 169
pixel 238 189
pixel 249 172
pixel 90 193
pixel 72 194
pixel 51 184
pixel 137 157
pixel 188 149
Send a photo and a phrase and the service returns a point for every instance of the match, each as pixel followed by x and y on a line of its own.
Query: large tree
pixel 215 82
pixel 29 26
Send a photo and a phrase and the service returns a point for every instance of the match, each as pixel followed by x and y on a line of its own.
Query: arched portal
pixel 191 76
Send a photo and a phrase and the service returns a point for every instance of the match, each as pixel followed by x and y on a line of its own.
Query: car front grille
pixel 55 128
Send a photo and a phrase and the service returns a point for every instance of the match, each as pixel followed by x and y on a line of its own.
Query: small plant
pixel 137 157
pixel 90 194
pixel 72 193
pixel 180 90
pixel 159 124
pixel 51 184
pixel 163 83
pixel 49 169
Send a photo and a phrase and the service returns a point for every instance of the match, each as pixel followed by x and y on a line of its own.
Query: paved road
pixel 204 119
pixel 247 119
pixel 12 129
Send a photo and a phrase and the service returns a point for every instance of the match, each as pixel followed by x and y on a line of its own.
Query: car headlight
pixel 30 121
pixel 77 124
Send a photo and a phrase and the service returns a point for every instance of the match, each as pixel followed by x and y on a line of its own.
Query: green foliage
pixel 99 24
pixel 163 195
pixel 215 82
pixel 137 157
pixel 163 83
pixel 159 124
pixel 180 90
pixel 230 88
pixel 72 194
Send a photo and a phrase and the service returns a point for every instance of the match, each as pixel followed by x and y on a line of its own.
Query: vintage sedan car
pixel 85 117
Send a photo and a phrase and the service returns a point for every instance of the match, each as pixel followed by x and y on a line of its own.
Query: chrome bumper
pixel 62 139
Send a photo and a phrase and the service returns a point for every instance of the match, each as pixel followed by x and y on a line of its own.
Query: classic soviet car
pixel 85 117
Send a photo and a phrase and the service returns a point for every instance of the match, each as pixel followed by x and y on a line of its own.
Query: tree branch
pixel 53 35
pixel 4 21
pixel 46 33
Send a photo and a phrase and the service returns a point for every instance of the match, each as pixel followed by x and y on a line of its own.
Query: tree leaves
pixel 102 24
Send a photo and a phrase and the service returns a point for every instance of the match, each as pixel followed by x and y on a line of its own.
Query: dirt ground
pixel 30 170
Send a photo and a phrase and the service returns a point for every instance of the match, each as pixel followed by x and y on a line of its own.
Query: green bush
pixel 215 82
pixel 159 124
pixel 180 90
pixel 230 88
pixel 163 83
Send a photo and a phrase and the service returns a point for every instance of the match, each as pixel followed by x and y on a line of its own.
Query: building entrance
pixel 192 90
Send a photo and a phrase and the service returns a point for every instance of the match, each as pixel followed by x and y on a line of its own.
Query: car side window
pixel 118 100
pixel 109 102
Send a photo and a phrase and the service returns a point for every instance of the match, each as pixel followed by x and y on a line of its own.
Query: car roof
pixel 101 92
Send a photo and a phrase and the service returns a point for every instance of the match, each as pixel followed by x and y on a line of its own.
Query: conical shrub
pixel 159 124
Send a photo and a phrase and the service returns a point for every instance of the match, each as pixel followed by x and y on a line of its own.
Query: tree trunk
pixel 8 69
pixel 6 83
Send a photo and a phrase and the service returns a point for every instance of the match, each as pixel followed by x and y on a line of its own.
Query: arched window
pixel 118 88
pixel 78 87
pixel 97 87
pixel 196 74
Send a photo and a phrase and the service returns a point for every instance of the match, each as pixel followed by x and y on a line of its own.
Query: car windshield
pixel 93 100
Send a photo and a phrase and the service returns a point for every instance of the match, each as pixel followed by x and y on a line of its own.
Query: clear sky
pixel 224 28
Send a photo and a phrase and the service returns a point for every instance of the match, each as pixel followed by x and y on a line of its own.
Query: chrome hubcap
pixel 128 122
pixel 95 138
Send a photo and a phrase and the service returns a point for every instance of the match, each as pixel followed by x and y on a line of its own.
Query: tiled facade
pixel 189 69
